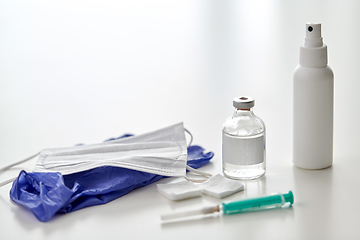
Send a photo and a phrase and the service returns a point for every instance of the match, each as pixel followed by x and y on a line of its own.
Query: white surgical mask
pixel 162 152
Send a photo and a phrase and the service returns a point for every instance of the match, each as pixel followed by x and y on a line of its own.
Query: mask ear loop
pixel 12 165
pixel 17 163
pixel 191 137
pixel 203 174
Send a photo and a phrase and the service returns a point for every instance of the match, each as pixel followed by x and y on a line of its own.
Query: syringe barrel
pixel 260 203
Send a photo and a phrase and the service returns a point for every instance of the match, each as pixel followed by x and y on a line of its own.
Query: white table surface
pixel 83 71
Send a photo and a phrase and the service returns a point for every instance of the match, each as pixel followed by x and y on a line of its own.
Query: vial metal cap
pixel 243 102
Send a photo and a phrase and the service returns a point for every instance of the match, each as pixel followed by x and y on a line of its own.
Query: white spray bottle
pixel 313 104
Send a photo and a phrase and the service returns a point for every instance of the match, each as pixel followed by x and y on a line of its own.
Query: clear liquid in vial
pixel 244 157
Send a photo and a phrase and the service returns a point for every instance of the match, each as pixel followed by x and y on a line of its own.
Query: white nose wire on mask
pixel 162 152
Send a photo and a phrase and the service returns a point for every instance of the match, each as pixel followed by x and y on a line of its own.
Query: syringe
pixel 276 200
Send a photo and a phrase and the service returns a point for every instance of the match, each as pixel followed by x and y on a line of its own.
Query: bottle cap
pixel 313 37
pixel 243 102
pixel 313 53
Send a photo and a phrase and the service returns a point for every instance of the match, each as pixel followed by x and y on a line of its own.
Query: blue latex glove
pixel 45 194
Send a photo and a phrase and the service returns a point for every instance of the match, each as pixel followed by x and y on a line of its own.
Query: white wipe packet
pixel 219 186
pixel 216 186
pixel 180 190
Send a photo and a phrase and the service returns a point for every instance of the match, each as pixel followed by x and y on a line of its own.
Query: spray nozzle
pixel 313 35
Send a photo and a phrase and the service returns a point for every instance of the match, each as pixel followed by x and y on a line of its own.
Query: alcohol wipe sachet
pixel 180 190
pixel 216 186
pixel 219 186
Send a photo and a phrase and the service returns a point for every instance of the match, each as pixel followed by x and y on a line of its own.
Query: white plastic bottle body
pixel 313 117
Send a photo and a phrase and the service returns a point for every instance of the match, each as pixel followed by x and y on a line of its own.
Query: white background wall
pixel 83 71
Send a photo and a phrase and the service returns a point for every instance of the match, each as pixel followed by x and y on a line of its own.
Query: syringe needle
pixel 202 211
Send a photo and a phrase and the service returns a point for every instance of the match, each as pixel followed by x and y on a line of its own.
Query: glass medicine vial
pixel 243 142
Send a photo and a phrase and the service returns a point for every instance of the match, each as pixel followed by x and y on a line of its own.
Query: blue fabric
pixel 45 194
